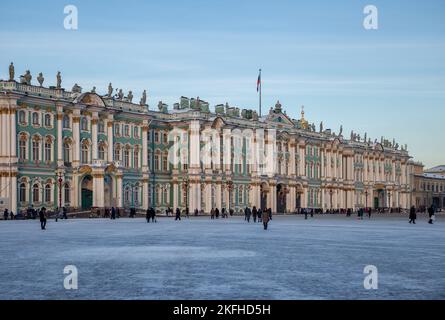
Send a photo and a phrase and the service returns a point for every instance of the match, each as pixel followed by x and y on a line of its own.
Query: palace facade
pixel 85 150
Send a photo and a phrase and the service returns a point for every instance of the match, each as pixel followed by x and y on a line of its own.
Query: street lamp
pixel 330 193
pixel 366 196
pixel 59 180
pixel 185 185
pixel 229 189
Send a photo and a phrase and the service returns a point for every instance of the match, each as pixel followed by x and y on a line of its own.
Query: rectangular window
pixel 35 151
pixel 47 152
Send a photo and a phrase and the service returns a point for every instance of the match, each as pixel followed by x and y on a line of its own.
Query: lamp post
pixel 330 194
pixel 366 197
pixel 229 189
pixel 59 180
pixel 389 199
pixel 185 186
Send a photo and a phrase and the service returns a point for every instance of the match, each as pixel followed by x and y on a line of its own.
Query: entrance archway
pixel 87 192
pixel 281 198
pixel 108 191
pixel 264 189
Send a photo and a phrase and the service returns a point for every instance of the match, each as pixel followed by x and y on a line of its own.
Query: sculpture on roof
pixel 143 101
pixel 93 90
pixel 76 88
pixel 321 126
pixel 119 95
pixel 130 96
pixel 110 90
pixel 341 130
pixel 11 72
pixel 40 79
pixel 26 78
pixel 58 80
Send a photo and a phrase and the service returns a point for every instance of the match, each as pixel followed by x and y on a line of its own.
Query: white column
pixel 59 136
pixel 76 139
pixel 218 196
pixel 175 195
pixel 110 139
pixel 119 190
pixel 94 121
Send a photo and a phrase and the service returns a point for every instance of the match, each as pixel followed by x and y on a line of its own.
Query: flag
pixel 258 83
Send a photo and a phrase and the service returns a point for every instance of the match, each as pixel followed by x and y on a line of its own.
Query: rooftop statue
pixel 76 88
pixel 93 90
pixel 321 126
pixel 40 79
pixel 59 80
pixel 130 96
pixel 143 101
pixel 364 139
pixel 110 90
pixel 11 72
pixel 26 78
pixel 119 95
pixel 341 130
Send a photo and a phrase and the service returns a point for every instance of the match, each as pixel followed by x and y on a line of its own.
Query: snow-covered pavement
pixel 199 258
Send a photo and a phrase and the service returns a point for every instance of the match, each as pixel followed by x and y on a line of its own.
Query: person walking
pixel 431 214
pixel 212 214
pixel 153 215
pixel 265 219
pixel 247 214
pixel 412 215
pixel 65 213
pixel 270 214
pixel 5 214
pixel 217 212
pixel 260 214
pixel 148 215
pixel 178 214
pixel 187 212
pixel 254 213
pixel 305 213
pixel 42 218
pixel 369 212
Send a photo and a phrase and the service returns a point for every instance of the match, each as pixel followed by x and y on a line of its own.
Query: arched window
pixel 117 152
pixel 165 195
pixel 157 159
pixel 127 157
pixel 101 126
pixel 66 152
pixel 22 192
pixel 66 122
pixel 48 148
pixel 35 119
pixel 85 152
pixel 136 158
pixel 36 149
pixel 48 120
pixel 67 190
pixel 22 117
pixel 101 151
pixel 84 124
pixel 165 161
pixel 47 193
pixel 127 195
pixel 23 142
pixel 136 195
pixel 35 193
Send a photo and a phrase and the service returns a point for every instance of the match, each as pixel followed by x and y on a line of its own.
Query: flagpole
pixel 260 91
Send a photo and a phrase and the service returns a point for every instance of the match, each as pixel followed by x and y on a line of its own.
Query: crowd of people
pixel 256 214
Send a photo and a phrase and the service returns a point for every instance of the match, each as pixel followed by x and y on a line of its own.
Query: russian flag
pixel 258 83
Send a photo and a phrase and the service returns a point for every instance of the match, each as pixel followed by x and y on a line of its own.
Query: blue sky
pixel 389 81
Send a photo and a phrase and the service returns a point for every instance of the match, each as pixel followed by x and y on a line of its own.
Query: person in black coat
pixel 65 213
pixel 412 215
pixel 254 213
pixel 153 215
pixel 5 214
pixel 42 218
pixel 270 214
pixel 247 213
pixel 431 214
pixel 148 215
pixel 187 212
pixel 178 214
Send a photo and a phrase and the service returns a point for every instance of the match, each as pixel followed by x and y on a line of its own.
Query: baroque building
pixel 428 187
pixel 85 150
